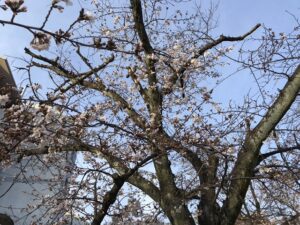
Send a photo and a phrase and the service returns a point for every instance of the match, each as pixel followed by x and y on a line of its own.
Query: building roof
pixel 7 82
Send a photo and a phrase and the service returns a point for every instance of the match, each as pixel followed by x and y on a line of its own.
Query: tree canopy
pixel 130 87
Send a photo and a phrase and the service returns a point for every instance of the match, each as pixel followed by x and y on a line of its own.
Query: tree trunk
pixel 178 214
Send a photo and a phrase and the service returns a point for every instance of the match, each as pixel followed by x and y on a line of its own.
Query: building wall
pixel 25 185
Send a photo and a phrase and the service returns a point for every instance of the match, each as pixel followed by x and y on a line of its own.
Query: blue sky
pixel 238 15
pixel 235 17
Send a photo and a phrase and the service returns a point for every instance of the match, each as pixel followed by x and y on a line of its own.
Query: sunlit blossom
pixel 16 6
pixel 67 2
pixel 4 99
pixel 88 15
pixel 41 41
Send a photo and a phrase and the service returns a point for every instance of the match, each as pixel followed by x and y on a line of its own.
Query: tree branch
pixel 111 196
pixel 180 72
pixel 96 85
pixel 248 157
pixel 279 150
pixel 140 26
pixel 5 220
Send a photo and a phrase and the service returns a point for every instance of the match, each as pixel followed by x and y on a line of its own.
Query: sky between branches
pixel 235 17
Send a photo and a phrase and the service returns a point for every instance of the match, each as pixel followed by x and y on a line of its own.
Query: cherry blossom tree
pixel 130 91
